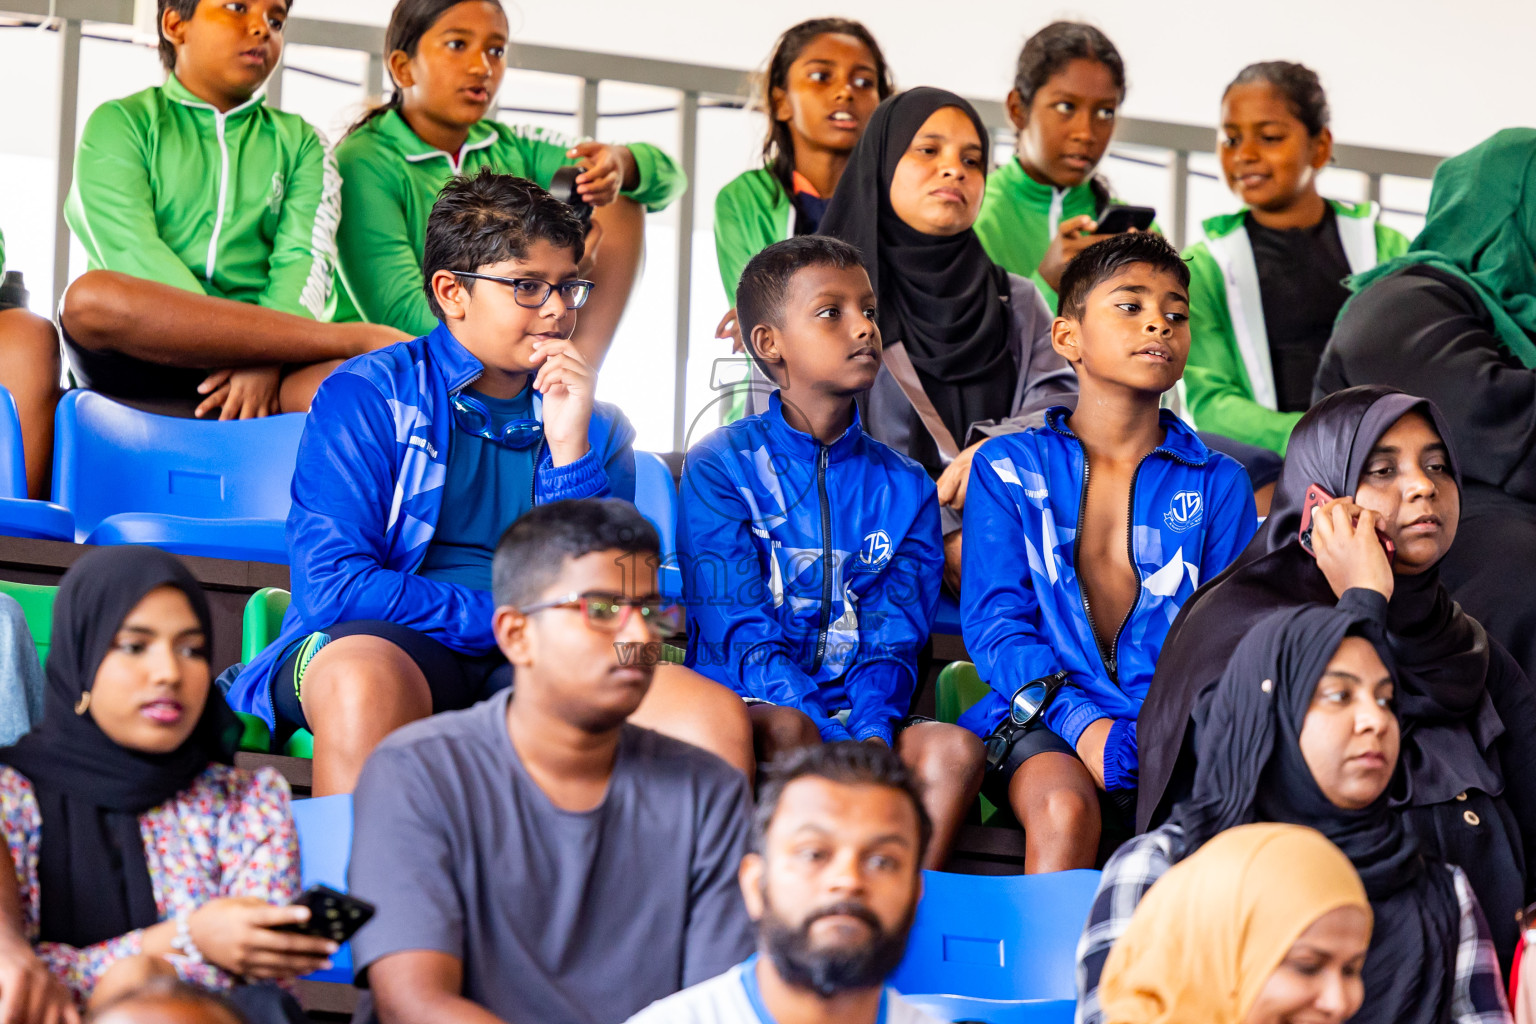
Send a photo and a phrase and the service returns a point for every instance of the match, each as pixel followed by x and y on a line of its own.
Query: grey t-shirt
pixel 581 918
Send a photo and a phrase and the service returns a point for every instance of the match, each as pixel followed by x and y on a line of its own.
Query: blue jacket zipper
pixel 826 557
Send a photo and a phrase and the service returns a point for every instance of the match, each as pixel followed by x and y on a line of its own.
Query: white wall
pixel 1394 69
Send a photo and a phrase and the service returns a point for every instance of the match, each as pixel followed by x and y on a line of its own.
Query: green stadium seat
pixel 263 620
pixel 36 602
pixel 957 689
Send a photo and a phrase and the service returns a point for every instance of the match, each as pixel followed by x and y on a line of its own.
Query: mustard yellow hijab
pixel 1211 931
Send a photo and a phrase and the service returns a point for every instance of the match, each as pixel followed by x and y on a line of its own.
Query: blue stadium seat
pixel 20 517
pixel 947 621
pixel 1007 937
pixel 656 498
pixel 325 845
pixel 190 486
pixel 997 1011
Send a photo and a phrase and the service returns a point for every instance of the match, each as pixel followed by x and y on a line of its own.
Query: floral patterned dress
pixel 230 833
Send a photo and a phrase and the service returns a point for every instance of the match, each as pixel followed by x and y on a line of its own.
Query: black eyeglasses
pixel 608 613
pixel 531 293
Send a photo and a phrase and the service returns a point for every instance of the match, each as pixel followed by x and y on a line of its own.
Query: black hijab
pixel 1442 655
pixel 943 298
pixel 1251 768
pixel 92 873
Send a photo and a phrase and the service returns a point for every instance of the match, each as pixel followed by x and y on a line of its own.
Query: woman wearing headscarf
pixel 1301 730
pixel 1265 923
pixel 1467 787
pixel 1454 320
pixel 967 345
pixel 138 850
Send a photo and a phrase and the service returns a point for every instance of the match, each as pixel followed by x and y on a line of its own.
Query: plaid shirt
pixel 1478 997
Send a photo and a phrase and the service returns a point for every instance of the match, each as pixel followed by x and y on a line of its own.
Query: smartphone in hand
pixel 1316 497
pixel 1123 218
pixel 332 915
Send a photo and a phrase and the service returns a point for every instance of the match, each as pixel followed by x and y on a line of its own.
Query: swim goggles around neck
pixel 471 416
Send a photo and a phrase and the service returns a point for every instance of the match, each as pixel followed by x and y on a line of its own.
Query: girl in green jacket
pixel 1042 207
pixel 1267 282
pixel 824 79
pixel 446 59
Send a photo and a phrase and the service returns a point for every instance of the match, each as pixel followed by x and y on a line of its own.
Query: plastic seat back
pixel 109 458
pixel 13 466
pixel 998 936
pixel 325 845
pixel 36 602
pixel 957 689
pixel 263 619
pixel 656 498
pixel 996 1011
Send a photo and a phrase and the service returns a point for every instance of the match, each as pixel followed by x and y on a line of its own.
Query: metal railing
pixel 692 82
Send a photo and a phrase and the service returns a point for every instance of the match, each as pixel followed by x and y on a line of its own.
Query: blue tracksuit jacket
pixel 1022 611
pixel 811 572
pixel 367 491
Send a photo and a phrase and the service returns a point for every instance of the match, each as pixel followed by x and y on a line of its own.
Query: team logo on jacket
pixel 1184 511
pixel 275 197
pixel 875 552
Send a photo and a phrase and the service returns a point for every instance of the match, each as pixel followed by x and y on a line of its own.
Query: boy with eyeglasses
pixel 536 857
pixel 414 460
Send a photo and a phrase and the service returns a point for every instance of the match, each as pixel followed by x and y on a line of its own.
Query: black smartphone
pixel 1122 218
pixel 332 915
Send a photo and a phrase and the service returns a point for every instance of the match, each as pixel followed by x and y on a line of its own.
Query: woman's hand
pixel 29 994
pixel 1069 241
pixel 956 475
pixel 608 171
pixel 249 393
pixel 1348 550
pixel 729 329
pixel 237 934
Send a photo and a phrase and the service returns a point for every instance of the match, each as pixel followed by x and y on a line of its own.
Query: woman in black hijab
pixel 1468 784
pixel 1301 730
pixel 975 338
pixel 137 849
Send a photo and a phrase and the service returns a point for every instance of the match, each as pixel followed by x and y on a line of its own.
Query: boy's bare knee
pixel 355 681
pixel 695 709
pixel 96 302
pixel 947 754
pixel 781 729
pixel 1065 809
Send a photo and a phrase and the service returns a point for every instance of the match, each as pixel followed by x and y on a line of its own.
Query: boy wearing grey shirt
pixel 535 858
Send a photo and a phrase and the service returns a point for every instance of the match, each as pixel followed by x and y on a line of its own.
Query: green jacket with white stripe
pixel 1228 385
pixel 241 205
pixel 391 178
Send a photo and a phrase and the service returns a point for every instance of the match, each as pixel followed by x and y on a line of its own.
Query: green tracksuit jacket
pixel 1229 386
pixel 751 213
pixel 241 205
pixel 1019 218
pixel 391 178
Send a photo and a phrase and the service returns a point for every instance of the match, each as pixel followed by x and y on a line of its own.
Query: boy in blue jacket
pixel 1083 539
pixel 415 459
pixel 811 553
